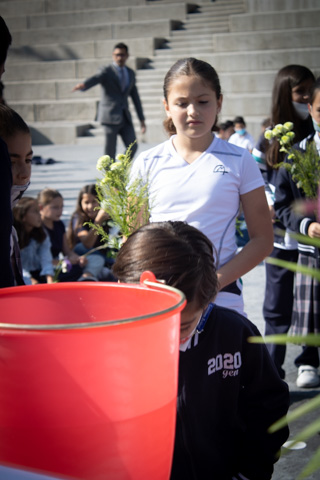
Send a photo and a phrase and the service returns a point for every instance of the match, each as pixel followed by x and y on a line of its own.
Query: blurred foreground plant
pixel 311 340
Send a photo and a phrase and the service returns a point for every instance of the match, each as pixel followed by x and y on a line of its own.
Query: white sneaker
pixel 307 377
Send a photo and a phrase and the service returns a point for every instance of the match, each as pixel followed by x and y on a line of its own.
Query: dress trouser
pixel 126 131
pixel 278 303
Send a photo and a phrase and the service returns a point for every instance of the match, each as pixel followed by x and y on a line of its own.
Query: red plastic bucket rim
pixel 147 280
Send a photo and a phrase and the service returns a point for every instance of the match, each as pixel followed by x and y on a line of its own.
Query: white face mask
pixel 301 109
pixel 16 193
pixel 316 126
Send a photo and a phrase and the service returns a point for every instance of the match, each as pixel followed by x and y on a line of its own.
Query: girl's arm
pixel 260 231
pixel 89 237
pixel 72 256
pixel 45 258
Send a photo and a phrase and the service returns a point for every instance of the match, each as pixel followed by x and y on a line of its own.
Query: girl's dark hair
pixel 79 217
pixel 239 120
pixel 175 252
pixel 19 212
pixel 47 195
pixel 190 67
pixel 11 122
pixel 282 109
pixel 314 90
pixel 5 41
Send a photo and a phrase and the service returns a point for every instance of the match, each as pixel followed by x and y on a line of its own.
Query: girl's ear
pixel 166 107
pixel 219 103
pixel 309 108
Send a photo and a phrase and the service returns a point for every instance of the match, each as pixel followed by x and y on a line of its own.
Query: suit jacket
pixel 114 103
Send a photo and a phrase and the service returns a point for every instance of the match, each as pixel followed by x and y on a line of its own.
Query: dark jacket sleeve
pixel 264 400
pixel 136 101
pixel 6 273
pixel 94 80
pixel 286 193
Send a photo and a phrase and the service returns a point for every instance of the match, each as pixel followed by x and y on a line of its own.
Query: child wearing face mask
pixel 291 87
pixel 241 137
pixel 17 137
pixel 229 391
pixel 306 305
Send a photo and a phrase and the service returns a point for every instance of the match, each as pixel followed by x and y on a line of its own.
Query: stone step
pixel 223 62
pixel 278 20
pixel 75 69
pixel 102 31
pixel 60 133
pixel 87 49
pixel 212 16
pixel 173 42
pixel 283 5
pixel 80 110
pixel 190 49
pixel 84 109
pixel 30 7
pixel 267 40
pixel 149 85
pixel 107 16
pixel 222 27
pixel 247 61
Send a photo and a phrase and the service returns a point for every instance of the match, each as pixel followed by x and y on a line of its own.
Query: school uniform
pixel 229 393
pixel 204 194
pixel 306 307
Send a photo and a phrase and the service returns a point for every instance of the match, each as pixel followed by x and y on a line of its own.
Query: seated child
pixel 229 391
pixel 82 238
pixel 16 155
pixel 241 137
pixel 34 243
pixel 51 206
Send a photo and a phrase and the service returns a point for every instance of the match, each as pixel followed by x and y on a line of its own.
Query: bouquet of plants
pixel 304 166
pixel 125 200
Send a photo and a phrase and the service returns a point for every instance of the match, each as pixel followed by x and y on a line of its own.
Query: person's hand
pixel 73 257
pixel 314 230
pixel 82 261
pixel 101 217
pixel 143 127
pixel 79 86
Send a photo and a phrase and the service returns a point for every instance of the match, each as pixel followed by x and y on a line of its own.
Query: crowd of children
pixel 201 180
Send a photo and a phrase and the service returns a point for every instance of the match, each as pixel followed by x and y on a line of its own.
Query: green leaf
pixel 298 412
pixel 315 242
pixel 310 430
pixel 312 339
pixel 294 267
pixel 312 466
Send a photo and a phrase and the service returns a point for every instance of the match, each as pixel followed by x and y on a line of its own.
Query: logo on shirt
pixel 220 169
pixel 227 363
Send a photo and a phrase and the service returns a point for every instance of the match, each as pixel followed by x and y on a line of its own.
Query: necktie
pixel 122 79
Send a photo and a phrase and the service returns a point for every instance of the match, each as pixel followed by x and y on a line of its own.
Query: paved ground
pixel 75 166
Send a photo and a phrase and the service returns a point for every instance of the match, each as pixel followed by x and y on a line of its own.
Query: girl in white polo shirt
pixel 200 179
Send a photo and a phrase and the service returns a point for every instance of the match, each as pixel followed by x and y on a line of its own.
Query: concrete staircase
pixel 57 43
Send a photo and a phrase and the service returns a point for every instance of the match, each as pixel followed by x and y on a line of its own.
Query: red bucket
pixel 88 379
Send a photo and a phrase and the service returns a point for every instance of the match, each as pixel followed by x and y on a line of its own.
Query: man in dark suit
pixel 117 84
